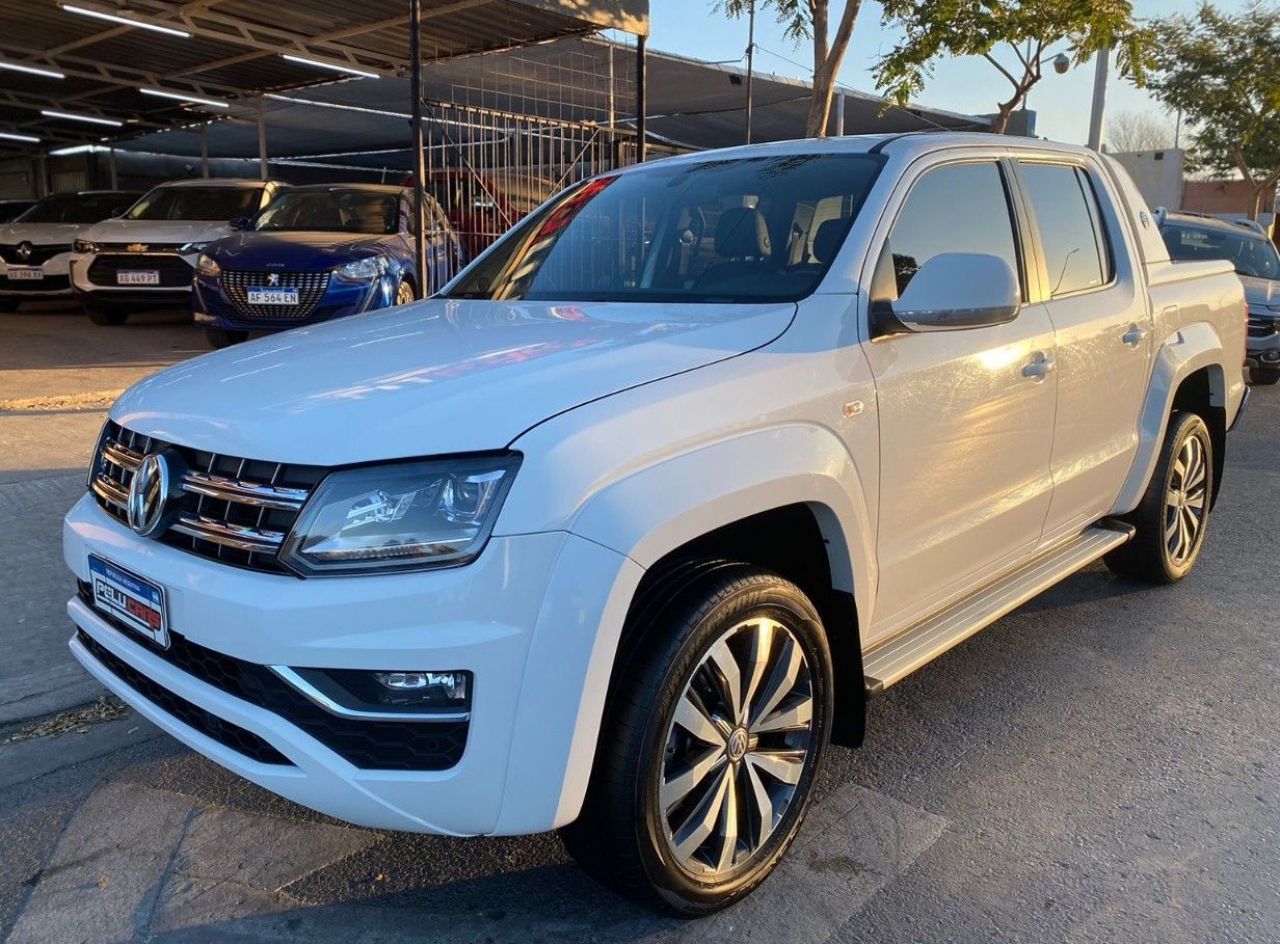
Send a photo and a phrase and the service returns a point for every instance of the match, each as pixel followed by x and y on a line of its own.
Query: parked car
pixel 615 533
pixel 317 253
pixel 35 249
pixel 1247 247
pixel 10 210
pixel 145 259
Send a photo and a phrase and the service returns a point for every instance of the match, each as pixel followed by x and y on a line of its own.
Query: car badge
pixel 149 494
pixel 24 251
pixel 273 278
pixel 136 247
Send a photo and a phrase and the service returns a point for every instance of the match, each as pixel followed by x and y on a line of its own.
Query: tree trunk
pixel 826 62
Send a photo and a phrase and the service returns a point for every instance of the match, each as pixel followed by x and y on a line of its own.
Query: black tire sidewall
pixel 785 603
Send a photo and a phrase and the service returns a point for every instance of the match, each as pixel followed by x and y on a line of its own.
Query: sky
pixel 971 85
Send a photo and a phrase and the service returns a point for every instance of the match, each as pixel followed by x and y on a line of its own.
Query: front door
pixel 966 416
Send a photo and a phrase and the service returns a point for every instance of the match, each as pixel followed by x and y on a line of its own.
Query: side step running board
pixel 903 654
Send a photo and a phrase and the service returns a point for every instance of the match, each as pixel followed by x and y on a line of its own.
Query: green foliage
pixel 940 28
pixel 796 16
pixel 1223 73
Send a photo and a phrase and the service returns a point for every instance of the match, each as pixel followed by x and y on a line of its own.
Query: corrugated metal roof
pixel 234 50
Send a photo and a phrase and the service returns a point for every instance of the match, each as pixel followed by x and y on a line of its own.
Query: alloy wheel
pixel 736 749
pixel 1186 501
pixel 404 293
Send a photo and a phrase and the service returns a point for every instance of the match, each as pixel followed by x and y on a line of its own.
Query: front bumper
pixel 55 281
pixel 536 619
pixel 92 278
pixel 212 307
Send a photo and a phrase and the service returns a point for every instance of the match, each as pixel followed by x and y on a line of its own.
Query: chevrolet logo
pixel 136 247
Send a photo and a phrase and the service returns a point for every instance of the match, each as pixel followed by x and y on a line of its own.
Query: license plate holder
pixel 138 277
pixel 272 296
pixel 26 274
pixel 132 600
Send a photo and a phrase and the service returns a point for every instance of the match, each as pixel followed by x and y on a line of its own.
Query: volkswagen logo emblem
pixel 24 251
pixel 738 744
pixel 149 494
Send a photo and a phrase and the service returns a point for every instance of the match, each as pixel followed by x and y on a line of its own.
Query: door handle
pixel 1133 337
pixel 1040 367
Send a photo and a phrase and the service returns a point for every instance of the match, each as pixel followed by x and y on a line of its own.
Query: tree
pixel 810 19
pixel 1223 73
pixel 1138 131
pixel 1028 28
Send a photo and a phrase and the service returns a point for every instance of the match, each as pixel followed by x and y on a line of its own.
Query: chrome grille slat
pixel 234 509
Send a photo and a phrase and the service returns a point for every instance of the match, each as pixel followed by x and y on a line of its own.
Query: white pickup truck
pixel 616 533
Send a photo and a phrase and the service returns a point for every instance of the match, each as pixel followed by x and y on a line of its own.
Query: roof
pixel 1234 227
pixel 229 51
pixel 363 187
pixel 242 182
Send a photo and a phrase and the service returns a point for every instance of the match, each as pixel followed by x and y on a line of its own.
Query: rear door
pixel 1102 326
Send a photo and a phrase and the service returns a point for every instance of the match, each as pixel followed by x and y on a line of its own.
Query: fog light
pixel 450 686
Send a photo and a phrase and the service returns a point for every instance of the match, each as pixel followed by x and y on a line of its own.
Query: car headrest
pixel 826 241
pixel 740 233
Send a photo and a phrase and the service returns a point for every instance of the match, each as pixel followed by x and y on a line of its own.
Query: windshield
pixel 196 203
pixel 752 229
pixel 1251 254
pixel 332 211
pixel 77 208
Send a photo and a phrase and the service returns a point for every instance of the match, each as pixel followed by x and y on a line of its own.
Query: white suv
pixel 146 258
pixel 616 533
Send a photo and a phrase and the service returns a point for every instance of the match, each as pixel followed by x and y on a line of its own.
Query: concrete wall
pixel 1158 175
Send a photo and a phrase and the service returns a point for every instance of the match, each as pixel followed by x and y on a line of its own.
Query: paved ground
pixel 1101 766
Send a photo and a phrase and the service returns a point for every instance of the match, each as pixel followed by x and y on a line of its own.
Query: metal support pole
pixel 642 103
pixel 840 114
pixel 40 173
pixel 263 171
pixel 751 57
pixel 204 150
pixel 419 164
pixel 1099 98
pixel 112 173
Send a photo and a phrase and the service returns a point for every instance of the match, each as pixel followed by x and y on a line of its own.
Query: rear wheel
pixel 1174 512
pixel 106 315
pixel 224 337
pixel 1263 377
pixel 717 723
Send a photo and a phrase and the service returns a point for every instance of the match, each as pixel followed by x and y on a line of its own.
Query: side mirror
pixel 955 290
pixel 240 223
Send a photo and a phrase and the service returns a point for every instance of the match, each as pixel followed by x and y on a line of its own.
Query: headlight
pixel 188 248
pixel 362 270
pixel 400 516
pixel 207 265
pixel 84 245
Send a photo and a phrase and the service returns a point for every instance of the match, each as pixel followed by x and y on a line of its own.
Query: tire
pixel 405 293
pixel 1263 377
pixel 9 304
pixel 635 833
pixel 1177 499
pixel 224 337
pixel 107 317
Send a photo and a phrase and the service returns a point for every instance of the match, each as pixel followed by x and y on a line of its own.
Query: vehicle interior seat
pixel 743 246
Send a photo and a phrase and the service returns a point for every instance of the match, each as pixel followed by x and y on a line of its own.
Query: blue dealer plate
pixel 134 601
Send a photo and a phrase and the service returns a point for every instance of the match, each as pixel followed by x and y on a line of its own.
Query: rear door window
pixel 1076 253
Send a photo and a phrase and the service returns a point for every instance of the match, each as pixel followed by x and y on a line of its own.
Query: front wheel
pixel 106 316
pixel 717 722
pixel 9 304
pixel 1174 512
pixel 223 337
pixel 1263 377
pixel 404 292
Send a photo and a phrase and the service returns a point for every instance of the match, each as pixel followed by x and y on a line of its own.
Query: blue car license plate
pixel 133 600
pixel 273 296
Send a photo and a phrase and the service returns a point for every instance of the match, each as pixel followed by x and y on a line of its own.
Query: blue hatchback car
pixel 316 253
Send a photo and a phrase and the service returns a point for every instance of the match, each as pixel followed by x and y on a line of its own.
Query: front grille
pixel 369 745
pixel 311 287
pixel 173 269
pixel 234 510
pixel 39 254
pixel 193 716
pixel 146 247
pixel 50 283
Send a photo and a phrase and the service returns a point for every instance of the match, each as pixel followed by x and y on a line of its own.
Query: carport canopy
pixel 74 71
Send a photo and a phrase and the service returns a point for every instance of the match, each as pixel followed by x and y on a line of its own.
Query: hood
pixel 298 250
pixel 1261 291
pixel 437 377
pixel 41 234
pixel 157 231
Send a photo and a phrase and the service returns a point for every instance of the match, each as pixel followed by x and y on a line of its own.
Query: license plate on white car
pixel 25 274
pixel 138 277
pixel 133 600
pixel 273 296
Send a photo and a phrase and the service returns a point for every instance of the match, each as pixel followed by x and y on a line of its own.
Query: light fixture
pixel 77 149
pixel 31 70
pixel 184 97
pixel 91 119
pixel 111 17
pixel 24 138
pixel 332 66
